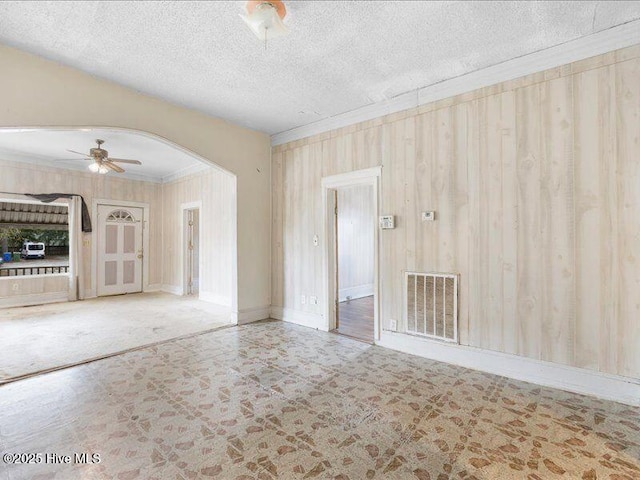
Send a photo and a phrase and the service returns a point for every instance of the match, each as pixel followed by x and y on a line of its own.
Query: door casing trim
pixel 183 267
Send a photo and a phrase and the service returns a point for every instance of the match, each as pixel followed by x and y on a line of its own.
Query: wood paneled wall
pixel 355 241
pixel 536 185
pixel 216 190
pixel 25 177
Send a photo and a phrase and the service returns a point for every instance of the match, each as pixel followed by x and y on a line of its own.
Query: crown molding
pixel 185 172
pixel 614 38
pixel 42 161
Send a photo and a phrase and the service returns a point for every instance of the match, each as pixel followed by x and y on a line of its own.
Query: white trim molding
pixel 185 172
pixel 305 319
pixel 154 287
pixel 33 299
pixel 209 297
pixel 183 247
pixel 359 291
pixel 173 289
pixel 610 387
pixel 255 314
pixel 614 38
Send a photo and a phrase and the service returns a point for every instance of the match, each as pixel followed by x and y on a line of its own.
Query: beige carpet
pixel 45 337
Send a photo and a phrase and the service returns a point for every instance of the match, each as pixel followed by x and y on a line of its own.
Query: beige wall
pixel 356 230
pixel 25 177
pixel 216 190
pixel 38 92
pixel 536 185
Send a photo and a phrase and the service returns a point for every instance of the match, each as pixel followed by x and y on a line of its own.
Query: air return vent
pixel 432 305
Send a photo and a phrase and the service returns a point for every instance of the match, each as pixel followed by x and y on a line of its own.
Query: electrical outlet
pixel 303 300
pixel 313 300
pixel 15 287
pixel 393 325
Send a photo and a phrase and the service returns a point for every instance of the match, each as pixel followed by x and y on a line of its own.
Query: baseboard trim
pixel 255 314
pixel 175 290
pixel 305 319
pixel 34 299
pixel 156 287
pixel 213 298
pixel 359 291
pixel 578 380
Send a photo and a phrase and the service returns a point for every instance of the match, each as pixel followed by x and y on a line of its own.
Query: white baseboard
pixel 33 299
pixel 213 298
pixel 306 319
pixel 359 291
pixel 610 387
pixel 249 315
pixel 176 290
pixel 154 287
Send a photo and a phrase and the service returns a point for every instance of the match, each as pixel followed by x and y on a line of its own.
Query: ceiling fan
pixel 101 161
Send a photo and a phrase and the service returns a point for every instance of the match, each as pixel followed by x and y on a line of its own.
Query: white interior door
pixel 119 250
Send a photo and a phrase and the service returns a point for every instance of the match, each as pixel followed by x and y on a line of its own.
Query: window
pixel 34 238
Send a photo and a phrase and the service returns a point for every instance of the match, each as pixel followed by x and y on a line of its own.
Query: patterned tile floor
pixel 274 400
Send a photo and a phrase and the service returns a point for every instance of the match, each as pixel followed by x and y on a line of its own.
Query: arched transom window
pixel 120 216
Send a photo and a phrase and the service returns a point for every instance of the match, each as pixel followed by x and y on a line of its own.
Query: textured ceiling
pixel 340 56
pixel 49 148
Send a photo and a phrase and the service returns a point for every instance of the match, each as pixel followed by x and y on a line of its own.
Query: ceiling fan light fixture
pixel 264 18
pixel 103 170
pixel 94 167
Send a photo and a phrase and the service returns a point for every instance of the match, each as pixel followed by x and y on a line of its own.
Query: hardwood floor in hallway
pixel 356 319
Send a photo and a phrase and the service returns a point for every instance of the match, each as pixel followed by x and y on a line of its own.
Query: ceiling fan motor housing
pixel 99 153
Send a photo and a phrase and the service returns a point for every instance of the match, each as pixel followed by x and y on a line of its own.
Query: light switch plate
pixel 393 325
pixel 313 300
pixel 303 300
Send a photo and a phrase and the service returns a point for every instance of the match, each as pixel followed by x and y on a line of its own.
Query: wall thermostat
pixel 387 221
pixel 428 216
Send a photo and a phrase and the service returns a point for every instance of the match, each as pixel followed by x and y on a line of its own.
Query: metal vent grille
pixel 432 305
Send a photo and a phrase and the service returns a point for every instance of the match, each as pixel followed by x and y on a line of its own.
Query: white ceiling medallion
pixel 265 19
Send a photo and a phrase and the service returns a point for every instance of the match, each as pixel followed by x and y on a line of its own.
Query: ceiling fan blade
pixel 113 167
pixel 83 154
pixel 122 160
pixel 70 159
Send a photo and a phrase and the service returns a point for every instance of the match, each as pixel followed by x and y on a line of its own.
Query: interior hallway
pixel 44 337
pixel 275 400
pixel 355 319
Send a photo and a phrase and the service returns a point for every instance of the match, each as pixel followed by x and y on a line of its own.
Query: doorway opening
pixel 355 230
pixel 191 250
pixel 351 257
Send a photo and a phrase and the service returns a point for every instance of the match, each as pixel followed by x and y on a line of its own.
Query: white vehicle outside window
pixel 32 250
